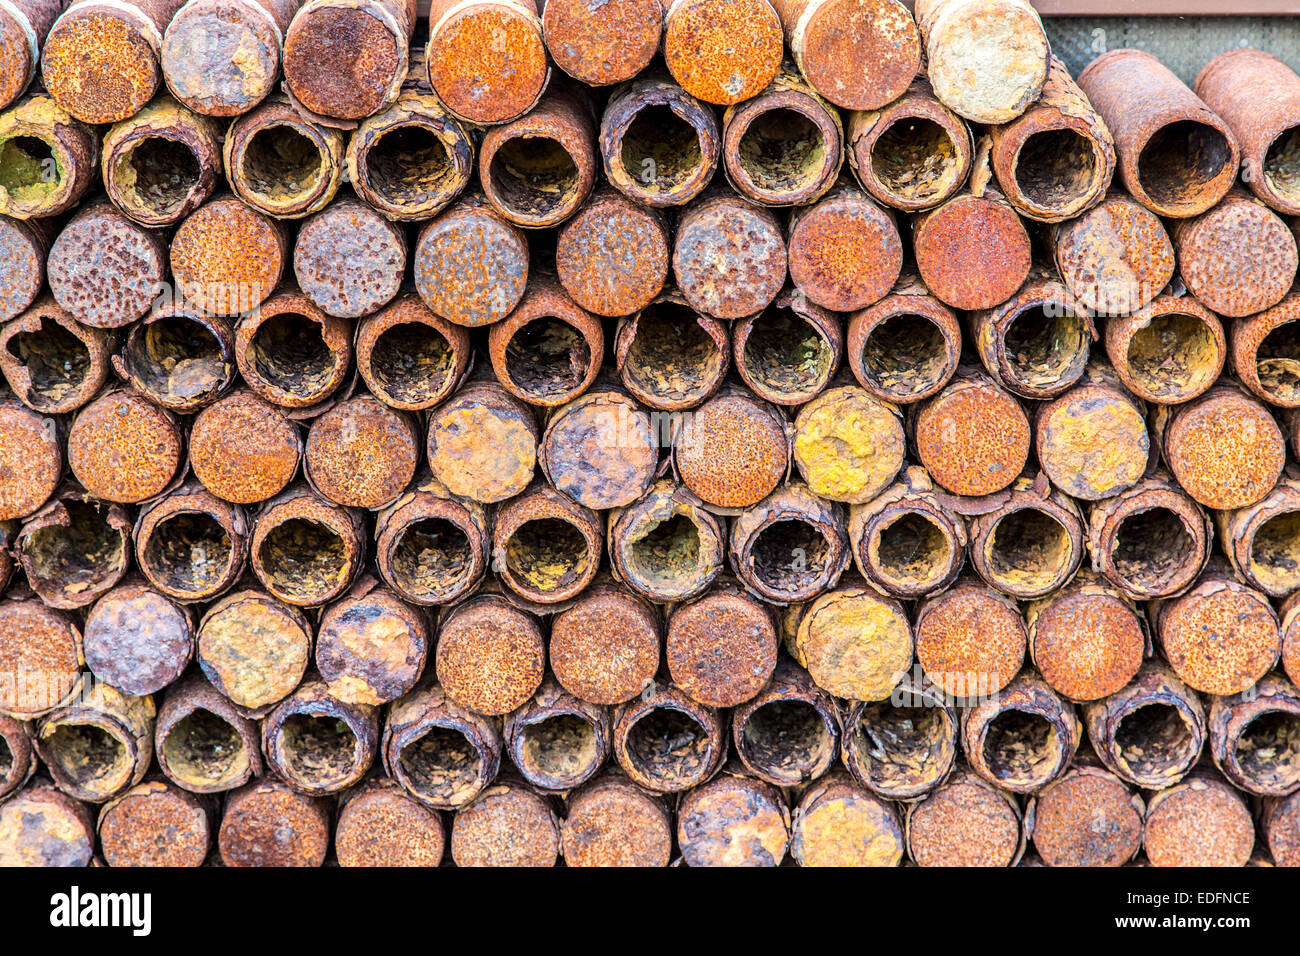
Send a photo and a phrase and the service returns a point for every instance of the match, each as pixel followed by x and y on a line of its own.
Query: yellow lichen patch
pixel 857 645
pixel 1093 445
pixel 848 445
pixel 254 653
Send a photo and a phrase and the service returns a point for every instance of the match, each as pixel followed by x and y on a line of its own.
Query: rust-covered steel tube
pixel 1199 822
pixel 608 44
pixel 17 755
pixel 24 25
pixel 222 57
pixel 1036 343
pixel 669 356
pixel 104 268
pixel 306 550
pixel 190 544
pixel 538 169
pixel 432 547
pixel 1279 822
pixel 1221 636
pixel 43 826
pixel 791 546
pixel 1056 160
pixel 788 353
pixel 1255 737
pixel 101 61
pixel 604 648
pixel 906 346
pixel 124 448
pixel 973 437
pixel 1224 448
pixel 162 163
pixel 280 163
pixel 47 158
pixel 317 743
pixel 1087 817
pixel 180 358
pixel 243 449
pixel 1086 640
pixel 1290 639
pixel 508 824
pixel 24 247
pixel 906 542
pixel 601 449
pixel 361 453
pixel 1258 96
pixel 137 639
pixel 848 445
pixel 202 742
pixel 438 751
pixel 838 822
pixel 987 61
pixel 844 250
pixel 380 825
pixel 491 656
pixel 1168 352
pixel 347 59
pixel 1030 544
pixel 292 354
pixel 790 733
pixel 99 745
pixel 666 742
pixel 612 256
pixel 267 823
pixel 1151 732
pixel 966 821
pixel 1092 441
pixel 1115 258
pixel 471 263
pixel 659 145
pixel 1262 541
pixel 785 146
pixel 722 51
pixel 545 546
pixel 349 260
pixel 158 824
pixel 370 646
pixel 854 643
pixel 487 60
pixel 733 451
pixel 1176 156
pixel 254 649
pixel 666 546
pixel 227 257
pixel 1238 258
pixel 548 351
pixel 40 650
pixel 721 648
pixel 904 747
pixel 75 548
pixel 970 641
pixel 1022 739
pixel 610 821
pixel 1266 352
pixel 733 820
pixel 1150 540
pixel 413 159
pixel 557 741
pixel 52 362
pixel 482 443
pixel 729 256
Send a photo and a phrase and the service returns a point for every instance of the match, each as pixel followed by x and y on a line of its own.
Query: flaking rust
pixel 906 541
pixel 1168 352
pixel 608 44
pixel 156 823
pixel 53 363
pixel 966 821
pixel 180 358
pixel 254 649
pixel 604 648
pixel 371 647
pixel 904 746
pixel 482 442
pixel 790 733
pixel 722 51
pixel 48 159
pixel 317 743
pixel 291 353
pixel 20 755
pixel 601 449
pixel 1029 544
pixel 282 164
pixel 490 656
pixel 243 449
pixel 202 742
pixel 509 824
pixel 471 263
pixel 609 821
pixel 666 742
pixel 1022 739
pixel 306 550
pixel 666 546
pixel 548 350
pixel 1200 822
pixel 100 745
pixel 970 640
pixel 190 544
pixel 729 256
pixel 733 820
pixel 379 825
pixel 439 752
pixel 1087 817
pixel 361 453
pixel 75 548
pixel 137 639
pixel 487 61
pixel 227 257
pixel 557 741
pixel 431 546
pixel 854 643
pixel 545 546
pixel 612 256
pixel 349 260
pixel 844 250
pixel 1255 737
pixel 838 822
pixel 267 823
pixel 669 356
pixel 410 358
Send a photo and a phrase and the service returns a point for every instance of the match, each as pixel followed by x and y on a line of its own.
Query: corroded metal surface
pixel 611 822
pixel 972 437
pixel 1201 822
pixel 281 164
pixel 1029 544
pixel 789 734
pixel 1255 737
pixel 855 644
pixel 18 66
pixel 379 825
pixel 227 257
pixel 156 824
pixel 789 353
pixel 666 742
pixel 906 541
pixel 600 449
pixel 548 350
pixel 546 546
pixel 53 363
pixel 1262 356
pixel 137 639
pixel 604 648
pixel 1022 739
pixel 202 742
pixel 733 451
pixel 722 51
pixel 123 448
pixel 432 547
pixel 243 449
pixel 729 256
pixel 790 546
pixel 605 43
pixel 266 823
pixel 178 357
pixel 482 443
pixel 970 641
pixel 105 269
pixel 838 822
pixel 63 829
pixel 361 453
pixel 254 649
pixel 844 250
pixel 438 751
pixel 666 546
pixel 370 646
pixel 965 822
pixel 487 60
pixel 471 263
pixel 490 656
pixel 1169 351
pixel 75 548
pixel 50 158
pixel 669 356
pixel 1087 817
pixel 906 346
pixel 291 353
pixel 733 820
pixel 848 445
pixel 508 824
pixel 306 550
pixel 612 256
pixel 557 741
pixel 24 247
pixel 1151 540
pixel 721 648
pixel 99 745
pixel 349 260
pixel 317 743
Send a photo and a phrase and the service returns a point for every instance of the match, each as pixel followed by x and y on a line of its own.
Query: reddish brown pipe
pixel 608 44
pixel 24 247
pixel 789 734
pixel 180 358
pixel 202 742
pixel 1255 737
pixel 666 546
pixel 357 78
pixel 101 61
pixel 844 250
pixel 791 546
pixel 437 751
pixel 17 755
pixel 137 639
pixel 227 257
pixel 1280 824
pixel 1087 640
pixel 291 353
pixel 490 656
pixel 53 158
pixel 53 363
pixel 905 347
pixel 854 643
pixel 162 163
pixel 838 822
pixel 41 648
pixel 243 449
pixel 722 51
pixel 471 263
pixel 241 40
pixel 361 453
pixel 548 351
pixel 349 260
pixel 1151 732
pixel 509 824
pixel 604 648
pixel 788 353
pixel 659 144
pixel 1115 258
pixel 482 443
pixel 1238 258
pixel 1262 540
pixel 1266 352
pixel 1087 817
pixel 729 256
pixel 556 740
pixel 75 548
pixel 413 159
pixel 431 546
pixel 612 822
pixel 601 449
pixel 42 826
pixel 1151 540
pixel 538 169
pixel 1056 160
pixel 1176 157
pixel 317 743
pixel 546 547
pixel 1200 822
pixel 733 820
pixel 670 357
pixel 99 745
pixel 157 824
pixel 487 60
pixel 1024 738
pixel 848 445
pixel 1258 96
pixel 371 647
pixel 254 649
pixel 666 742
pixel 1031 543
pixel 970 641
pixel 280 163
pixel 379 825
pixel 612 256
pixel 23 27
pixel 305 550
pixel 966 821
pixel 1168 352
pixel 267 823
pixel 785 146
pixel 105 269
pixel 733 451
pixel 123 448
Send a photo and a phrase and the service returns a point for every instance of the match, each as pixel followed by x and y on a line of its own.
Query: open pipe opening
pixel 1045 345
pixel 280 163
pixel 188 551
pixel 1277 362
pixel 177 360
pixel 903 749
pixel 202 748
pixel 790 556
pixel 559 751
pixel 1030 548
pixel 1056 168
pixel 534 177
pixel 1022 748
pixel 1275 553
pixel 78 556
pixel 1154 739
pixel 1268 751
pixel 546 554
pixel 916 160
pixel 164 171
pixel 318 750
pixel 787 355
pixel 29 168
pixel 1180 160
pixel 303 559
pixel 89 756
pixel 913 550
pixel 1152 549
pixel 1282 164
pixel 788 738
pixel 1175 356
pixel 443 766
pixel 432 558
pixel 671 356
pixel 660 151
pixel 57 361
pixel 782 151
pixel 668 746
pixel 409 166
pixel 547 357
pixel 905 355
pixel 289 353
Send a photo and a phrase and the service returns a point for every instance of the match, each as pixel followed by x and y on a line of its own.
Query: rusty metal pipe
pixel 104 268
pixel 721 647
pixel 490 656
pixel 306 550
pixel 854 643
pixel 612 256
pixel 482 442
pixel 267 823
pixel 432 547
pixel 609 44
pixel 53 363
pixel 471 263
pixel 24 247
pixel 349 260
pixel 601 449
pixel 557 741
pixel 788 353
pixel 670 357
pixel 966 821
pixel 1266 352
pixel 906 542
pixel 666 547
pixel 970 642
pixel 17 755
pixel 180 358
pixel 1022 739
pixel 437 751
pixel 280 163
pixel 1263 539
pixel 1029 544
pixel 1168 352
pixel 380 825
pixel 137 639
pixel 733 451
pixel 47 159
pixel 243 449
pixel 254 649
pixel 190 544
pixel 1280 825
pixel 63 828
pixel 99 745
pixel 790 546
pixel 604 648
pixel 848 445
pixel 202 742
pixel 370 646
pixel 906 346
pixel 157 824
pixel 1087 817
pixel 790 733
pixel 844 249
pixel 722 51
pixel 610 821
pixel 729 256
pixel 1255 737
pixel 733 820
pixel 487 60
pixel 509 824
pixel 361 453
pixel 75 548
pixel 838 822
pixel 973 437
pixel 292 354
pixel 317 743
pixel 227 257
pixel 545 546
pixel 548 351
pixel 1199 822
pixel 24 25
pixel 666 742
pixel 42 650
